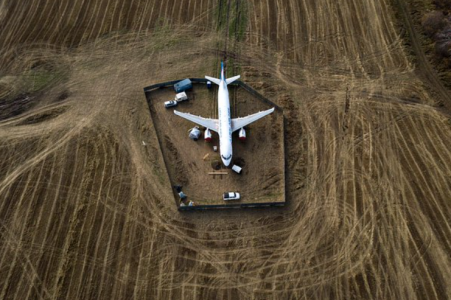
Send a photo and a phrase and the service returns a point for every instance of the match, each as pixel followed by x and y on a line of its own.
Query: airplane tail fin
pixel 218 81
pixel 214 80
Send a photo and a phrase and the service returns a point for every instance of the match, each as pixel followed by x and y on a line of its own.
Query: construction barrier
pixel 150 88
pixel 226 206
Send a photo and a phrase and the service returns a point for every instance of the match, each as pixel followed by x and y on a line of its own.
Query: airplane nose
pixel 226 162
pixel 226 159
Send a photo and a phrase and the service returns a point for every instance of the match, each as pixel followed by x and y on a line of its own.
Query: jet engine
pixel 207 135
pixel 194 133
pixel 242 134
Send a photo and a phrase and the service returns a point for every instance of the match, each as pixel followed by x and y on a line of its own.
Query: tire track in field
pixel 47 22
pixel 17 259
pixel 86 219
pixel 356 209
pixel 423 64
pixel 78 18
pixel 17 28
pixel 36 280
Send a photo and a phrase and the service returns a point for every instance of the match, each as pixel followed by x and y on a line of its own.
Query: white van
pixel 181 97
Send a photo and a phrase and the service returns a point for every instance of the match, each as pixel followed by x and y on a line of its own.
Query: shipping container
pixel 183 85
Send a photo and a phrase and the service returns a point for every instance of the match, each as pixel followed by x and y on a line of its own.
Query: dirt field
pixel 191 163
pixel 87 212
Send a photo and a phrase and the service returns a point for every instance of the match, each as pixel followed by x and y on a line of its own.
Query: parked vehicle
pixel 231 196
pixel 183 85
pixel 237 169
pixel 181 97
pixel 178 188
pixel 171 103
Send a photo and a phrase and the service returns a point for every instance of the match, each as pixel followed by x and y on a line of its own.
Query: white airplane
pixel 224 126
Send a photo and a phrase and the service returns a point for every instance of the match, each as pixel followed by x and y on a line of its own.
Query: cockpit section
pixel 226 157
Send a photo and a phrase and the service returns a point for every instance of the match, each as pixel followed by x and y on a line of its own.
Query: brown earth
pixel 86 211
pixel 191 163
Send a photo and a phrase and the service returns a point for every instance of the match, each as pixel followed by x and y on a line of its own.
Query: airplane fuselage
pixel 225 124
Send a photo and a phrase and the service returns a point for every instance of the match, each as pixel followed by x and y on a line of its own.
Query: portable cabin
pixel 183 85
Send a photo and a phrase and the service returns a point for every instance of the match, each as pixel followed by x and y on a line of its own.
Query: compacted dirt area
pixel 86 205
pixel 199 170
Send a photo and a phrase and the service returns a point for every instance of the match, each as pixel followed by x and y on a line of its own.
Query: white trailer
pixel 181 97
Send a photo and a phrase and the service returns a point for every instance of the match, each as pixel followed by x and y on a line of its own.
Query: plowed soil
pixel 86 208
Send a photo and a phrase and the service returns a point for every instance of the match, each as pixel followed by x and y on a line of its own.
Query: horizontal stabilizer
pixel 214 80
pixel 241 122
pixel 232 79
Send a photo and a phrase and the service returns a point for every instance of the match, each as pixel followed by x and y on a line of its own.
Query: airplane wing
pixel 211 124
pixel 241 122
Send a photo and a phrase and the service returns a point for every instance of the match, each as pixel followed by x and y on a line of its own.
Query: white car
pixel 171 103
pixel 231 196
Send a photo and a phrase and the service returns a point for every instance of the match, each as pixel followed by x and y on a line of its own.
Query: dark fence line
pixel 171 83
pixel 250 90
pixel 226 206
pixel 161 148
pixel 285 164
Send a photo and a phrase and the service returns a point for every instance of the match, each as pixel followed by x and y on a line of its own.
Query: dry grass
pixel 86 210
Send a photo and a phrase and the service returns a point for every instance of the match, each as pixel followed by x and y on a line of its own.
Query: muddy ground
pixel 84 209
